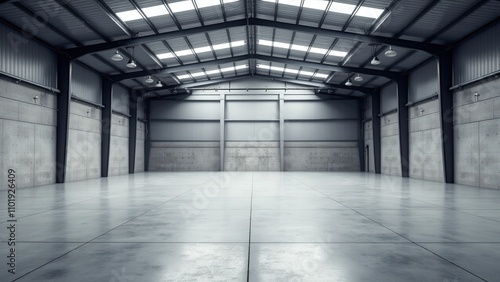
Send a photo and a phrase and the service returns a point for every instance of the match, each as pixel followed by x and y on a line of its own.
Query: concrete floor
pixel 260 226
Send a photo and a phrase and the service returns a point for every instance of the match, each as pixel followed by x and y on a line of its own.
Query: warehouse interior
pixel 250 140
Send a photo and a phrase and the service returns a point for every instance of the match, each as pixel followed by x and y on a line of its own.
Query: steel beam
pixel 147 143
pixel 416 45
pixel 404 134
pixel 281 112
pixel 64 71
pixel 377 148
pixel 107 98
pixel 132 131
pixel 222 129
pixel 446 106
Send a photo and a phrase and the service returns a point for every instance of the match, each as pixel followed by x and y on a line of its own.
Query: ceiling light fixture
pixel 391 53
pixel 375 61
pixel 358 78
pixel 159 84
pixel 149 80
pixel 131 62
pixel 117 56
pixel 348 82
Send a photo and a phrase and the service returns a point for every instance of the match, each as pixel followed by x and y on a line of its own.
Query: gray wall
pixel 118 151
pixel 368 133
pixel 84 142
pixel 477 134
pixel 318 134
pixel 477 124
pixel 389 132
pixel 426 150
pixel 28 134
pixel 84 137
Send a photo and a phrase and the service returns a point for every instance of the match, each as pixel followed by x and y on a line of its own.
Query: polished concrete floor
pixel 254 226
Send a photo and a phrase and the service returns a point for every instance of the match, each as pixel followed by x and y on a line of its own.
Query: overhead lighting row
pixel 303 48
pixel 292 71
pixel 336 7
pixel 201 50
pixel 210 72
pixel 160 10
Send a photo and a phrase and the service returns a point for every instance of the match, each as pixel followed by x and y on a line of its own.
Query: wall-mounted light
pixel 476 96
pixel 35 98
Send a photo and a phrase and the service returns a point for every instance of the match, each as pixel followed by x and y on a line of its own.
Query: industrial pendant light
pixel 391 53
pixel 375 61
pixel 117 56
pixel 159 84
pixel 358 78
pixel 348 83
pixel 149 80
pixel 131 62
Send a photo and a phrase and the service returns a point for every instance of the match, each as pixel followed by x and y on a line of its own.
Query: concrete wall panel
pixel 252 156
pixel 489 148
pixel 467 154
pixel 45 155
pixel 169 157
pixel 391 157
pixel 19 143
pixel 310 156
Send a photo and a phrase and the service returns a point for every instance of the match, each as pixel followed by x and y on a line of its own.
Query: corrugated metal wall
pixel 86 84
pixel 388 98
pixel 120 99
pixel 27 59
pixel 477 57
pixel 423 82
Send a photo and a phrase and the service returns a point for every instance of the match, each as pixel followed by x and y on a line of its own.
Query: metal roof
pixel 293 38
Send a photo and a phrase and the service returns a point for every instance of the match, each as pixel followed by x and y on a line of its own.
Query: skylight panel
pixel 160 10
pixel 198 74
pixel 155 11
pixel 336 7
pixel 302 48
pixel 200 50
pixel 292 71
pixel 129 15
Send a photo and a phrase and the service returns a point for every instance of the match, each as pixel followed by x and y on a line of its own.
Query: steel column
pixel 281 112
pixel 377 150
pixel 446 107
pixel 107 97
pixel 147 142
pixel 222 129
pixel 64 71
pixel 361 136
pixel 404 139
pixel 132 133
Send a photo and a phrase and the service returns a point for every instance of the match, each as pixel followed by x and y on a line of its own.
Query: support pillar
pixel 446 108
pixel 404 134
pixel 107 98
pixel 64 71
pixel 132 133
pixel 377 139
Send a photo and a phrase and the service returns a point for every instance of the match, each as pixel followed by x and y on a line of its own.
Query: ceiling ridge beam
pixel 427 47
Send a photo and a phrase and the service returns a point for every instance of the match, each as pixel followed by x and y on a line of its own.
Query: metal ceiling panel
pixel 442 14
pixel 234 10
pixel 94 63
pixel 413 61
pixel 64 21
pixel 16 16
pixel 91 11
pixel 476 20
pixel 360 24
pixel 265 10
pixel 400 16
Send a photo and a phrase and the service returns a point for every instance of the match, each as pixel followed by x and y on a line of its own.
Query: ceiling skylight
pixel 292 71
pixel 160 10
pixel 200 50
pixel 216 71
pixel 301 48
pixel 335 7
